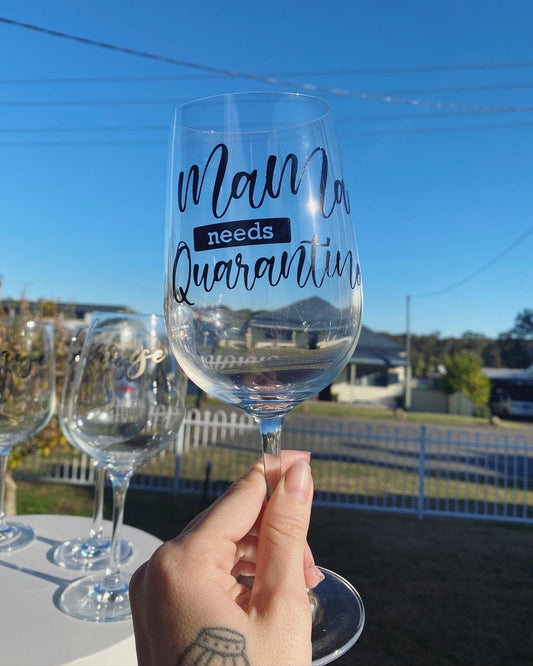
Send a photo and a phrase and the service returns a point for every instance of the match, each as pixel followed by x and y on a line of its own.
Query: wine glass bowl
pixel 263 304
pixel 263 291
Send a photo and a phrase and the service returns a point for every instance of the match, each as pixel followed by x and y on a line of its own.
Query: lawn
pixel 437 592
pixel 320 408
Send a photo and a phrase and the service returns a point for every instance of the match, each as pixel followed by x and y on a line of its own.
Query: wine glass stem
pixel 98 506
pixel 3 473
pixel 120 484
pixel 270 430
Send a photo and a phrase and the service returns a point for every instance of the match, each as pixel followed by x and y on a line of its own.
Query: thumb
pixel 283 535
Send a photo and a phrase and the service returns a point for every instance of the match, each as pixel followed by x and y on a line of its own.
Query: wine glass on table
pixel 263 293
pixel 27 402
pixel 92 551
pixel 121 429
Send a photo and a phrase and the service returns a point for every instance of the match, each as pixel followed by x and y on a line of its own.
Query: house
pixel 287 326
pixel 375 373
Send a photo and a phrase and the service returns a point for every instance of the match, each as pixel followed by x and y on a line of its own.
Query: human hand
pixel 187 600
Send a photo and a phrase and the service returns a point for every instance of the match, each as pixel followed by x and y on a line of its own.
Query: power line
pixel 103 128
pixel 417 69
pixel 479 270
pixel 407 116
pixel 145 128
pixel 453 111
pixel 107 79
pixel 461 89
pixel 433 130
pixel 95 102
pixel 200 77
pixel 19 144
pixel 338 121
pixel 471 110
pixel 308 87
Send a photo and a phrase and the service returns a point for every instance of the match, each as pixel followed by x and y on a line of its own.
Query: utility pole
pixel 407 400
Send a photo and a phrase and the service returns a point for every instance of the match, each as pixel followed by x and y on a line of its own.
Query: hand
pixel 187 600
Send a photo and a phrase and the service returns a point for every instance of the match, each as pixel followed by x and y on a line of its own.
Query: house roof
pixel 372 349
pixel 376 349
pixel 291 316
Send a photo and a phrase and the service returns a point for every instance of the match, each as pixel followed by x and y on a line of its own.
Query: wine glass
pixel 126 405
pixel 90 552
pixel 27 402
pixel 263 292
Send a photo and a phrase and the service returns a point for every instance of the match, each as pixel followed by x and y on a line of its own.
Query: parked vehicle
pixel 512 398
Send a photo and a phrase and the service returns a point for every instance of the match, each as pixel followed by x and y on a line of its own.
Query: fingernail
pixel 319 575
pixel 313 577
pixel 298 480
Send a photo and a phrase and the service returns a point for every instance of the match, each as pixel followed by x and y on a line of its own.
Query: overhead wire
pixel 93 128
pixel 479 270
pixel 140 128
pixel 85 143
pixel 338 121
pixel 92 102
pixel 308 87
pixel 434 130
pixel 196 77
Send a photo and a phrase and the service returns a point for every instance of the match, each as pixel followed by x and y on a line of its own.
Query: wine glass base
pixel 88 554
pixel 338 617
pixel 15 536
pixel 86 599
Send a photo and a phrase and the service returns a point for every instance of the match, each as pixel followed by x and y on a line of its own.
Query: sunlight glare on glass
pixel 313 205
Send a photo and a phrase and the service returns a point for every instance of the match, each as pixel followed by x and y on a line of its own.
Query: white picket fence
pixel 484 473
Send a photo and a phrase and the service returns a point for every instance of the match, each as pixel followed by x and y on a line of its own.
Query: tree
pixel 523 325
pixel 515 352
pixel 472 335
pixel 491 355
pixel 463 373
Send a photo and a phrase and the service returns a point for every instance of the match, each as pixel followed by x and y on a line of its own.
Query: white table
pixel 33 631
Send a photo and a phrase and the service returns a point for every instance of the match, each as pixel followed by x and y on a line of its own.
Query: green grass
pixel 319 408
pixel 445 592
pixel 33 497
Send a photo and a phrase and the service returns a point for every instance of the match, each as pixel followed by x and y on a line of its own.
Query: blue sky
pixel 438 194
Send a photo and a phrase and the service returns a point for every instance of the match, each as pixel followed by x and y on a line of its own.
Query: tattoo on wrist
pixel 216 646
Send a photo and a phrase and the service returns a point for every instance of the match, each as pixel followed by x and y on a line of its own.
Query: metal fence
pixel 483 473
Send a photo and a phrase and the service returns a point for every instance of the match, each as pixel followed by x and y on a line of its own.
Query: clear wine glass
pixel 127 404
pixel 92 551
pixel 263 293
pixel 27 402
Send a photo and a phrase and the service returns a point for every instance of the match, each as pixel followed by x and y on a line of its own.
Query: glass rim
pixel 283 95
pixel 117 313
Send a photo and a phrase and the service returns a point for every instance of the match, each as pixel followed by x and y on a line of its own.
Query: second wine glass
pixel 92 551
pixel 127 404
